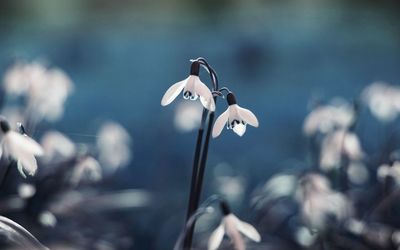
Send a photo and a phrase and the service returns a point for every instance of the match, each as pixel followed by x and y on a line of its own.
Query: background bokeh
pixel 277 56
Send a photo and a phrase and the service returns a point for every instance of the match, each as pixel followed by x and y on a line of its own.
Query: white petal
pixel 233 233
pixel 239 129
pixel 248 116
pixel 21 169
pixel 220 123
pixel 22 149
pixel 25 143
pixel 216 237
pixel 205 94
pixel 173 92
pixel 248 230
pixel 28 164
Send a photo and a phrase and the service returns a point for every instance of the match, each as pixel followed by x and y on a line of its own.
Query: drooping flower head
pixel 232 227
pixel 235 117
pixel 192 88
pixel 21 148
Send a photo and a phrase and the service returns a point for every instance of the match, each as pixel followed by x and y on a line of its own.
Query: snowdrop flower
pixel 319 204
pixel 389 171
pixel 192 88
pixel 21 76
pixel 113 142
pixel 87 168
pixel 325 118
pixel 21 148
pixel 235 117
pixel 47 97
pixel 383 100
pixel 336 144
pixel 232 226
pixel 57 147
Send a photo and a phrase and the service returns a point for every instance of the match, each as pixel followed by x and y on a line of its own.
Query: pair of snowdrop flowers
pixel 21 148
pixel 232 227
pixel 235 117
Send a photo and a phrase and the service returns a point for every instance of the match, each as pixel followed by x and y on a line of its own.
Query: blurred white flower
pixel 304 237
pixel 357 173
pixel 113 142
pixel 319 204
pixel 232 188
pixel 187 116
pixel 325 118
pixel 21 148
pixel 383 100
pixel 87 169
pixel 47 98
pixel 47 219
pixel 336 144
pixel 235 117
pixel 392 171
pixel 280 185
pixel 46 89
pixel 232 227
pixel 21 76
pixel 57 147
pixel 26 191
pixel 193 88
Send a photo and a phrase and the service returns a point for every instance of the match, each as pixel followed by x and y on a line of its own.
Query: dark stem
pixel 195 168
pixel 198 167
pixel 199 183
pixel 6 172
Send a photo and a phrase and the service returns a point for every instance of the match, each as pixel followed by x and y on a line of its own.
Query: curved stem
pixel 199 167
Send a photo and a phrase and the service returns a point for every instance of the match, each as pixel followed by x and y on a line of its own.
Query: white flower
pixel 392 171
pixel 87 168
pixel 47 97
pixel 326 118
pixel 336 144
pixel 232 227
pixel 113 142
pixel 21 148
pixel 383 100
pixel 235 117
pixel 193 88
pixel 319 204
pixel 57 147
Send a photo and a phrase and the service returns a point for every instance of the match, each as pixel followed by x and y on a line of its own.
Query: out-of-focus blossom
pixel 392 171
pixel 319 204
pixel 383 100
pixel 57 147
pixel 46 89
pixel 187 116
pixel 235 117
pixel 304 237
pixel 193 88
pixel 87 169
pixel 281 185
pixel 232 188
pixel 337 144
pixel 232 227
pixel 47 219
pixel 326 118
pixel 21 76
pixel 47 98
pixel 21 148
pixel 26 191
pixel 114 143
pixel 357 173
